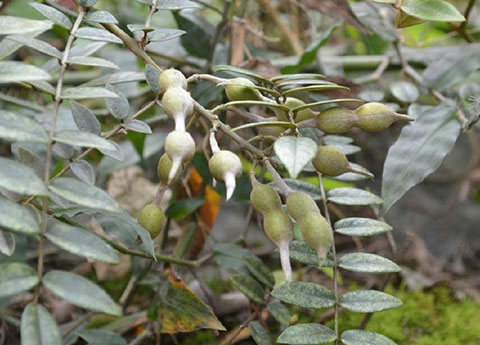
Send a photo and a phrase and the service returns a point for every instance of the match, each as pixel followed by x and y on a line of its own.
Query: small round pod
pixel 180 148
pixel 264 198
pixel 301 115
pixel 316 233
pixel 330 161
pixel 163 170
pixel 171 78
pixel 336 120
pixel 299 204
pixel 152 219
pixel 375 117
pixel 225 166
pixel 177 104
pixel 279 229
pixel 242 92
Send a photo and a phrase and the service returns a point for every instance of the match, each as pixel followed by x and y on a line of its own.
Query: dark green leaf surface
pixel 19 218
pixel 83 139
pixel 258 333
pixel 101 337
pixel 53 14
pixel 249 287
pixel 295 153
pixel 306 333
pixel 16 127
pixel 259 270
pixel 16 278
pixel 361 227
pixel 14 72
pixel 435 10
pixel 353 197
pixel 368 301
pixel 367 263
pixel 38 327
pixel 18 178
pixel 305 294
pixel 360 337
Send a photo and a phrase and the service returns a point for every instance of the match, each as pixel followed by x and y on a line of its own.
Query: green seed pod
pixel 331 161
pixel 152 219
pixel 172 78
pixel 316 233
pixel 264 198
pixel 279 229
pixel 375 117
pixel 299 204
pixel 304 114
pixel 336 120
pixel 180 148
pixel 177 104
pixel 242 93
pixel 225 166
pixel 163 170
pixel 273 131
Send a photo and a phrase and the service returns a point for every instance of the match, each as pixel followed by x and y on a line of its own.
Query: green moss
pixel 425 318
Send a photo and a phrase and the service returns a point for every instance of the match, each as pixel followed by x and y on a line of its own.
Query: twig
pixel 461 30
pixel 244 324
pixel 48 157
pixel 334 252
pixel 218 31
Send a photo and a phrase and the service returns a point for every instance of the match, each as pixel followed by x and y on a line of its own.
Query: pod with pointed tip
pixel 331 161
pixel 279 229
pixel 264 198
pixel 300 204
pixel 152 219
pixel 336 120
pixel 316 233
pixel 375 117
pixel 177 104
pixel 225 166
pixel 180 148
pixel 171 78
pixel 240 92
pixel 163 170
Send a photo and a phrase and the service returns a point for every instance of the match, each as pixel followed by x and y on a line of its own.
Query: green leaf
pixel 404 91
pixel 196 40
pixel 41 46
pixel 280 312
pixel 101 337
pixel 16 127
pixel 116 78
pixel 290 82
pixel 84 171
pixel 434 10
pixel 85 120
pixel 361 227
pixel 295 76
pixel 419 151
pixel 7 243
pixel 347 149
pixel 38 327
pixel 91 61
pixel 118 106
pixel 271 105
pixel 137 126
pixel 95 34
pixel 83 139
pixel 182 208
pixel 300 252
pixel 368 301
pixel 83 194
pixel 19 219
pixel 249 287
pixel 86 3
pixel 329 101
pixel 295 153
pixel 313 88
pixel 13 72
pixel 87 92
pixel 272 92
pixel 43 86
pixel 305 294
pixel 81 242
pixel 86 49
pixel 259 270
pixel 80 291
pixel 353 177
pixel 10 25
pixel 30 159
pixel 307 333
pixel 367 263
pixel 360 337
pixel 241 71
pixel 101 16
pixel 231 256
pixel 152 75
pixel 258 333
pixel 18 178
pixel 310 54
pixel 175 4
pixel 160 35
pixel 53 14
pixel 300 186
pixel 16 277
pixel 353 197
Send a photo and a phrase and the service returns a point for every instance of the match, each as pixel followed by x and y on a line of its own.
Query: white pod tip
pixel 284 250
pixel 230 183
pixel 176 162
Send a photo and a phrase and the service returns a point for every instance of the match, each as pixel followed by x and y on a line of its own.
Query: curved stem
pixel 335 261
pixel 48 157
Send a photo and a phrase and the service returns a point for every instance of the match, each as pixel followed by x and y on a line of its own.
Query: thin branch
pixel 48 157
pixel 335 261
pixel 218 31
pixel 463 26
